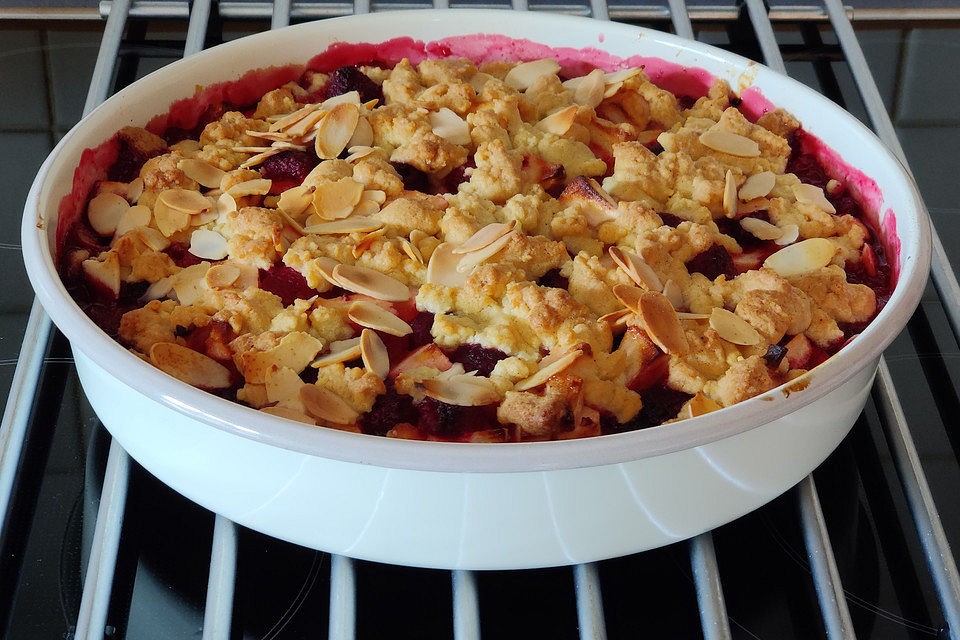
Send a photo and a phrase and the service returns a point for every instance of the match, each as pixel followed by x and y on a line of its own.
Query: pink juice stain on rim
pixel 479 48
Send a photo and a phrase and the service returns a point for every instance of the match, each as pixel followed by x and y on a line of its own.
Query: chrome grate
pixel 466 613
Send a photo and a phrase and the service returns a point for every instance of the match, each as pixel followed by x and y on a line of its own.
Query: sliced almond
pixel 366 208
pixel 208 245
pixel 251 149
pixel 296 226
pixel 190 284
pixel 256 187
pixel 336 130
pixel 811 194
pixel 589 91
pixel 802 257
pixel 548 371
pixel 376 195
pixel 362 135
pixel 698 405
pixel 462 390
pixel 260 158
pixel 203 172
pixel 169 221
pixel 560 121
pixel 411 250
pixel 485 236
pixel 221 276
pixel 449 126
pixel 523 75
pixel 306 125
pixel 732 143
pixel 353 224
pixel 629 296
pixel 203 218
pixel 226 204
pixel 443 267
pixel 674 294
pixel 366 242
pixel 472 259
pixel 282 384
pixel 326 266
pixel 273 136
pixel 350 97
pixel 790 233
pixel 660 321
pixel 373 316
pixel 152 238
pixel 761 229
pixel 636 269
pixel 752 206
pixel 293 118
pixel 326 405
pixel 615 316
pixel 374 353
pixel 134 190
pixel 294 201
pixel 158 289
pixel 600 191
pixel 622 75
pixel 730 201
pixel 289 414
pixel 336 200
pixel 135 216
pixel 611 88
pixel 283 145
pixel 758 185
pixel 340 355
pixel 104 212
pixel 478 80
pixel 187 365
pixel 106 273
pixel 358 152
pixel 692 316
pixel 733 328
pixel 185 200
pixel 372 283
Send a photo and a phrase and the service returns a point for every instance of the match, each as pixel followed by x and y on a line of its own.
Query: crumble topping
pixel 438 251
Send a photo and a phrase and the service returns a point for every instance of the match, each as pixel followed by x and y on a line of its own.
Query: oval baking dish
pixel 478 506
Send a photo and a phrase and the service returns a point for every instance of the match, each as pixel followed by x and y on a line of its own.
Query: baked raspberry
pixel 475 357
pixel 350 78
pixel 449 421
pixel 413 178
pixel 421 325
pixel 659 404
pixel 669 219
pixel 713 262
pixel 389 410
pixel 775 354
pixel 286 282
pixel 288 166
pixel 180 253
pixel 553 279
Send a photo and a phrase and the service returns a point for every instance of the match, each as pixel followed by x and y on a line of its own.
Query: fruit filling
pixel 498 253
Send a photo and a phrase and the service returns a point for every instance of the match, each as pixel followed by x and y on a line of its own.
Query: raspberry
pixel 450 421
pixel 286 282
pixel 713 262
pixel 475 357
pixel 421 325
pixel 413 178
pixel 347 79
pixel 670 220
pixel 553 279
pixel 389 410
pixel 659 404
pixel 181 256
pixel 288 166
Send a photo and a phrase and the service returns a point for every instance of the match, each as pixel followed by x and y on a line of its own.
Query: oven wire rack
pixel 92 619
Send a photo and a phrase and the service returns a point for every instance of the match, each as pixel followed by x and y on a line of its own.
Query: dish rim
pixel 246 422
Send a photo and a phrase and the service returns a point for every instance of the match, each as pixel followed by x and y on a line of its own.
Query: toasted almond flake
pixel 732 143
pixel 376 195
pixel 336 130
pixel 169 221
pixel 134 190
pixel 602 192
pixel 135 216
pixel 288 146
pixel 629 295
pixel 757 204
pixel 761 228
pixel 292 118
pixel 326 405
pixel 152 238
pixel 251 149
pixel 190 284
pixel 472 259
pixel 300 129
pixel 221 276
pixel 660 321
pixel 366 208
pixel 372 283
pixel 548 371
pixel 185 200
pixel 374 354
pixel 611 88
pixel 812 194
pixel 256 187
pixel 273 136
pixel 449 126
pixel 442 269
pixel 834 186
pixel 362 135
pixel 698 405
pixel 485 236
pixel 353 224
pixel 790 233
pixel 525 74
pixel 369 105
pixel 107 273
pixel 287 218
pixel 294 201
pixel 208 245
pixel 674 294
pixel 366 242
pixel 189 366
pixel 350 97
pixel 802 257
pixel 260 157
pixel 733 328
pixel 289 414
pixel 730 201
pixel 226 204
pixel 104 212
pixel 340 355
pixel 462 390
pixel 559 122
pixel 411 250
pixel 636 269
pixel 203 172
pixel 326 266
pixel 203 218
pixel 692 316
pixel 373 316
pixel 588 90
pixel 614 316
pixel 158 289
pixel 336 200
pixel 478 80
pixel 621 75
pixel 758 185
pixel 358 152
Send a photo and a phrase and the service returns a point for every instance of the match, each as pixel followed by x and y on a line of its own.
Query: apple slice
pixel 799 351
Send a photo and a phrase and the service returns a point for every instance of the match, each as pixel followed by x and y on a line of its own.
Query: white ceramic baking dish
pixel 477 506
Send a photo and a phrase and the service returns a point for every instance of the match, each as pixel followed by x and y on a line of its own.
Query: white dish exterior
pixel 471 506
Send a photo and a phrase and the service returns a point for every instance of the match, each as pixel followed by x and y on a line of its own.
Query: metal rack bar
pixel 706 579
pixel 589 602
pixel 759 18
pixel 826 578
pixel 197 28
pixel 466 606
pixel 680 17
pixel 218 611
pixel 280 14
pixel 98 583
pixel 343 599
